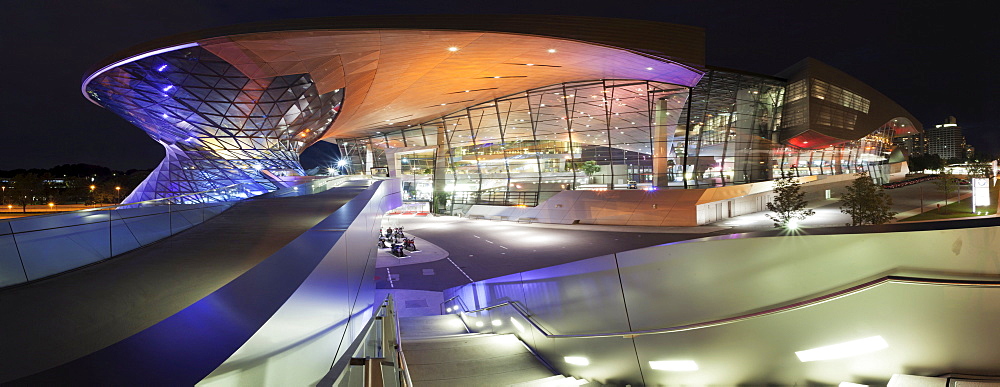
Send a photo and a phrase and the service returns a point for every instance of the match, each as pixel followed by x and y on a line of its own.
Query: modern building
pixel 487 110
pixel 501 110
pixel 946 140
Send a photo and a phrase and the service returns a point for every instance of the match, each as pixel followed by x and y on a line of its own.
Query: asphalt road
pixel 481 249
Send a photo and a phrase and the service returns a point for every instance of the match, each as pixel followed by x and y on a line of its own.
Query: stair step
pixel 493 380
pixel 430 326
pixel 540 382
pixel 473 360
pixel 469 348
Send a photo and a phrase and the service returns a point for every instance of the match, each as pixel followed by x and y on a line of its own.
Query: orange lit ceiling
pixel 398 77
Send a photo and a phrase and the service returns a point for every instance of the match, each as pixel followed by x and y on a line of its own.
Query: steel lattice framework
pixel 218 126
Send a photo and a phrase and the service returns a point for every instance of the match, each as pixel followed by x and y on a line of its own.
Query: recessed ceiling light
pixel 649 68
pixel 452 48
pixel 552 51
pixel 842 350
pixel 674 365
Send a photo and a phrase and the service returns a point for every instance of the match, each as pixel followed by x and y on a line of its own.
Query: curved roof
pixel 408 69
pixel 823 117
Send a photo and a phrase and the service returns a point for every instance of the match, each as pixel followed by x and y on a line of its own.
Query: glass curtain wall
pixel 729 130
pixel 218 126
pixel 869 154
pixel 521 149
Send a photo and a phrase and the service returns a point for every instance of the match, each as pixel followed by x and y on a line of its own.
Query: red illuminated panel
pixel 811 139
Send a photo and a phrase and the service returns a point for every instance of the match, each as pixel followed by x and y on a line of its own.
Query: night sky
pixel 935 58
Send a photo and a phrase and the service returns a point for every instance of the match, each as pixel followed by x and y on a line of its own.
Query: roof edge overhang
pixel 681 44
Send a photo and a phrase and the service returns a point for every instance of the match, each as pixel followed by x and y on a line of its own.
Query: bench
pixel 475 217
pixel 498 218
pixel 527 220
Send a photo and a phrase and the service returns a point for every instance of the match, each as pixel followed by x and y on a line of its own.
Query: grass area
pixel 962 209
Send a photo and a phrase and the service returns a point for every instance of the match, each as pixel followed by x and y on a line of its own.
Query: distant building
pixel 946 140
pixel 912 145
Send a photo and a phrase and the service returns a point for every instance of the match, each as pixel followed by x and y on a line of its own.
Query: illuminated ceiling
pixel 399 77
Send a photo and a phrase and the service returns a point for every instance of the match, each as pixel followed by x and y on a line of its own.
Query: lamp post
pixel 118 193
pixel 92 201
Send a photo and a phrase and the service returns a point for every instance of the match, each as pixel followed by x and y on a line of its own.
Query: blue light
pixel 165 89
pixel 161 68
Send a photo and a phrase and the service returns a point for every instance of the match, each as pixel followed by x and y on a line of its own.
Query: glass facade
pixel 218 126
pixel 608 134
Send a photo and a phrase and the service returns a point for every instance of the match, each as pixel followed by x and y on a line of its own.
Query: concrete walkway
pixel 928 207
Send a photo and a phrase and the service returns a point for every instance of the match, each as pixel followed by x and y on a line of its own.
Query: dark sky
pixel 935 58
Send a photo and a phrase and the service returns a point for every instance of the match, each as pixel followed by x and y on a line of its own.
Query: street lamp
pixel 118 193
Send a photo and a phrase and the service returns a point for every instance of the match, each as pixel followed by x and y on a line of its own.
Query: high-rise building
pixel 912 145
pixel 946 140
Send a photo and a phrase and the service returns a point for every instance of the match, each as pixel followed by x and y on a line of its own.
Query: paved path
pixel 481 249
pixel 53 321
pixel 426 252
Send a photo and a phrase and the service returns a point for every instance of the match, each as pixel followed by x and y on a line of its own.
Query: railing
pixel 497 198
pixel 315 186
pixel 375 358
pixel 458 306
pixel 40 246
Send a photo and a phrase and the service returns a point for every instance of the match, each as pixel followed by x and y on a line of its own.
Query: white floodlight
pixel 842 350
pixel 577 360
pixel 674 365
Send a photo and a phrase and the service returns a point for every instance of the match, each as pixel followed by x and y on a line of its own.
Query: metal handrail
pixel 408 382
pixel 390 341
pixel 787 307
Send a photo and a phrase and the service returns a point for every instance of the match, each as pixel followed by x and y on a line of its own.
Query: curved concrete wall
pixel 283 322
pixel 938 329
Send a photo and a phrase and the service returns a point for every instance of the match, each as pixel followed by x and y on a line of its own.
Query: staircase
pixel 441 352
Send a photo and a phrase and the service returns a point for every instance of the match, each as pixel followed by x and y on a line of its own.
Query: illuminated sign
pixel 980 192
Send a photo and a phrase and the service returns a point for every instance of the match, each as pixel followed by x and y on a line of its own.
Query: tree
pixel 440 202
pixel 589 167
pixel 866 202
pixel 980 170
pixel 26 190
pixel 789 204
pixel 947 183
pixel 926 162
